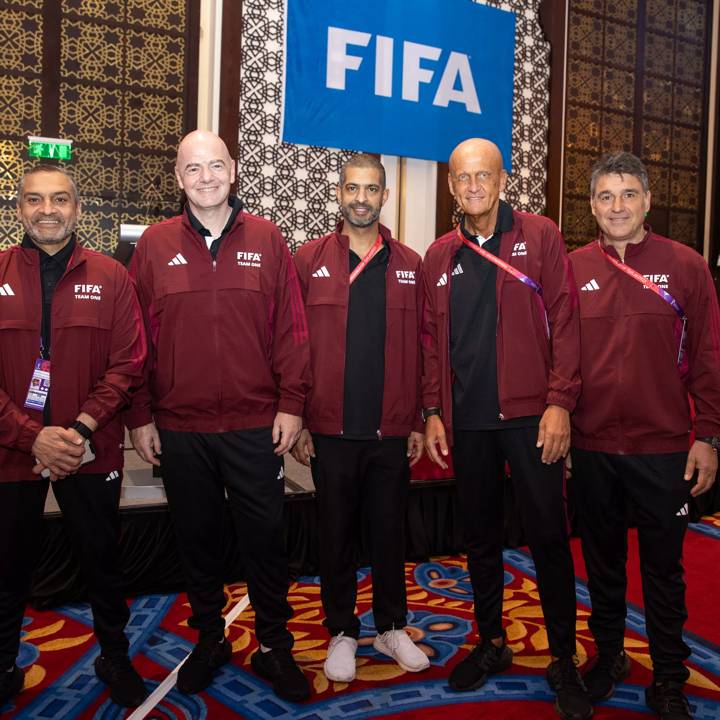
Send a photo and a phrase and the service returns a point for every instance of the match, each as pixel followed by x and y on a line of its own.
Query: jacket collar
pixel 236 217
pixel 631 249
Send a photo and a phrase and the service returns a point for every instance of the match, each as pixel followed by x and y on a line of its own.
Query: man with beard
pixel 71 351
pixel 225 389
pixel 362 295
pixel 501 375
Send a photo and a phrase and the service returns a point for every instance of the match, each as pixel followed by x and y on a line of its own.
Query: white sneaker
pixel 340 663
pixel 398 645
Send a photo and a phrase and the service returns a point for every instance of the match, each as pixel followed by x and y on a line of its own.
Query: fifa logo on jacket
pixel 405 277
pixel 660 279
pixel 88 292
pixel 519 249
pixel 249 259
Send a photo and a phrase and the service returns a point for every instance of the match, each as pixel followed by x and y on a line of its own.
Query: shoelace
pixel 282 660
pixel 204 650
pixel 673 700
pixel 485 655
pixel 568 677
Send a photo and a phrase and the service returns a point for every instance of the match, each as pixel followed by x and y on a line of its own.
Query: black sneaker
pixel 608 670
pixel 484 659
pixel 126 686
pixel 571 701
pixel 279 667
pixel 197 671
pixel 666 698
pixel 11 683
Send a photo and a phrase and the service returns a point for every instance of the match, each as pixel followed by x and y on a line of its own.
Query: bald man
pixel 225 387
pixel 500 378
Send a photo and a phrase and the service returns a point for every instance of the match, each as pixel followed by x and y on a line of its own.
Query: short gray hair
pixel 622 163
pixel 46 167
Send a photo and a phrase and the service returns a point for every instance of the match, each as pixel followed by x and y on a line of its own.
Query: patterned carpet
pixel 57 652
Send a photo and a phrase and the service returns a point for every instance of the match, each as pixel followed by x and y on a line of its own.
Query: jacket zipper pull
pixel 214 265
pixel 379 434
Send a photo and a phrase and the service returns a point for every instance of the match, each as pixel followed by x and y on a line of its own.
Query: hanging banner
pixel 389 76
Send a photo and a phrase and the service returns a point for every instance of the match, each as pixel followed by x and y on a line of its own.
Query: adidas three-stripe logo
pixel 443 280
pixel 178 260
pixel 114 474
pixel 322 272
pixel 592 285
pixel 683 511
pixel 6 289
pixel 458 270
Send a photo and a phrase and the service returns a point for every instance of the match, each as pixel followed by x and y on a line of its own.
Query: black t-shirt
pixel 236 204
pixel 365 349
pixel 473 334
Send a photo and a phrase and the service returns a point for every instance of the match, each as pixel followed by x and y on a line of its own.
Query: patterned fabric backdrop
pixel 122 90
pixel 293 185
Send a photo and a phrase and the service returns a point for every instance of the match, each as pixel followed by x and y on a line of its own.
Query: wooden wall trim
pixel 231 58
pixel 50 74
pixel 192 60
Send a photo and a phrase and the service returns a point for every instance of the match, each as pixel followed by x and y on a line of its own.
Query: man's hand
pixel 435 436
pixel 554 434
pixel 415 447
pixel 304 448
pixel 59 450
pixel 703 458
pixel 146 441
pixel 286 430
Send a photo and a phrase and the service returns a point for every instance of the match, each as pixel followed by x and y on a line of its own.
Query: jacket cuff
pixel 137 417
pixel 564 401
pixel 291 406
pixel 706 428
pixel 27 435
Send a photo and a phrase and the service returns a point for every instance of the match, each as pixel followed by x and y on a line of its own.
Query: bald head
pixel 476 179
pixel 205 171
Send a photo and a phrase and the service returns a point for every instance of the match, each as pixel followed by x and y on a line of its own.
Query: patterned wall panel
pixel 294 185
pixel 122 100
pixel 651 105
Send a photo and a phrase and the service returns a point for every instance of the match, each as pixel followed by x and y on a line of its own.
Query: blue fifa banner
pixel 397 77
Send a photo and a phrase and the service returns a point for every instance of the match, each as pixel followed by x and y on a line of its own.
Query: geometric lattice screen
pixel 637 78
pixel 117 88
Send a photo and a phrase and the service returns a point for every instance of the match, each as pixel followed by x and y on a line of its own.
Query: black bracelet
pixel 82 428
pixel 429 412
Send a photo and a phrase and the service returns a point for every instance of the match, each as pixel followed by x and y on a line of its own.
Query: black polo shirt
pixel 365 349
pixel 473 334
pixel 235 204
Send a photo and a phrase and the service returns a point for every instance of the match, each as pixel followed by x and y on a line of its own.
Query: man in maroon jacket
pixel 500 378
pixel 650 330
pixel 227 376
pixel 363 297
pixel 72 349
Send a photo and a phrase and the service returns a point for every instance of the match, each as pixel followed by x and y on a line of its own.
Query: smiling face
pixel 205 171
pixel 619 205
pixel 361 196
pixel 48 210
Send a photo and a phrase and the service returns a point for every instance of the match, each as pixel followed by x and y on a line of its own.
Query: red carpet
pixel 58 649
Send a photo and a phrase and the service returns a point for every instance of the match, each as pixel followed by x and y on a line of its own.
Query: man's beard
pixel 346 211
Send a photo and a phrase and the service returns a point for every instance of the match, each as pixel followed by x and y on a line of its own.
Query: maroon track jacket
pixel 228 341
pixel 326 299
pixel 533 371
pixel 634 396
pixel 97 354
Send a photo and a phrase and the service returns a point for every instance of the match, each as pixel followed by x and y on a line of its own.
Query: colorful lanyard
pixel 660 292
pixel 369 255
pixel 501 263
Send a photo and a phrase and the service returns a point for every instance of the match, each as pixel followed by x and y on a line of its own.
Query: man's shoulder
pixel 441 245
pixel 404 253
pixel 539 223
pixel 584 252
pixel 99 262
pixel 314 246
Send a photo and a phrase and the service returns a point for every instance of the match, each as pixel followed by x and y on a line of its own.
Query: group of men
pixel 220 352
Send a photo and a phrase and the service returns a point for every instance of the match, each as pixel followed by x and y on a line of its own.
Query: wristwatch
pixel 429 412
pixel 712 440
pixel 82 428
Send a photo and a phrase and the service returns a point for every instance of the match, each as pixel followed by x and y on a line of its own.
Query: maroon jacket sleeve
pixel 703 347
pixel 561 303
pixel 139 413
pixel 290 342
pixel 128 349
pixel 419 425
pixel 17 429
pixel 431 379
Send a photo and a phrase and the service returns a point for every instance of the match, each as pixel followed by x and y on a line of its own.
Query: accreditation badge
pixel 39 389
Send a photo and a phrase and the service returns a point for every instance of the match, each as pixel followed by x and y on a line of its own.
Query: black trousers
pixel 361 483
pixel 197 470
pixel 89 505
pixel 604 488
pixel 479 459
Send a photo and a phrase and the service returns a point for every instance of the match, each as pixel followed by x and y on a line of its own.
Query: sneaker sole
pixel 336 678
pixel 382 648
pixel 502 667
pixel 299 697
pixel 122 702
pixel 566 716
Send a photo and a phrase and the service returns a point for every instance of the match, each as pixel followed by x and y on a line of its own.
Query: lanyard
pixel 660 292
pixel 369 255
pixel 522 277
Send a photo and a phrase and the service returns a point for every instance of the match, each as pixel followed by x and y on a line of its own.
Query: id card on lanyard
pixel 39 389
pixel 369 255
pixel 660 292
pixel 517 274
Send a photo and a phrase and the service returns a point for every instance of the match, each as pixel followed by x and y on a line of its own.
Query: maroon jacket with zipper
pixel 228 341
pixel 96 357
pixel 634 395
pixel 532 370
pixel 326 300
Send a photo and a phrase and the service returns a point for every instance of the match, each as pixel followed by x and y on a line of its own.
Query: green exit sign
pixel 50 148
